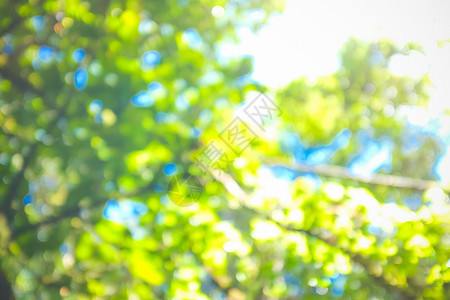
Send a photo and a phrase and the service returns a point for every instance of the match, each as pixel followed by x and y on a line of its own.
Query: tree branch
pixel 15 183
pixel 218 285
pixel 68 213
pixel 235 190
pixel 17 20
pixel 17 179
pixel 14 23
pixel 20 83
pixel 376 179
pixel 71 212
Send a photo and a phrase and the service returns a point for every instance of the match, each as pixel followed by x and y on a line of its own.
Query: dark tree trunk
pixel 6 292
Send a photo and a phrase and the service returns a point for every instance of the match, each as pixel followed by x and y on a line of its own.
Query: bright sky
pixel 306 37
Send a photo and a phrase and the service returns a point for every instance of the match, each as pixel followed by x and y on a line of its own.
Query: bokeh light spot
pixel 217 11
pixel 142 99
pixel 46 53
pixel 95 107
pixel 28 199
pixel 81 79
pixel 151 58
pixel 79 55
pixel 38 22
pixel 170 169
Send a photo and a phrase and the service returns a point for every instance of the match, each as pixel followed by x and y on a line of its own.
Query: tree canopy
pixel 104 103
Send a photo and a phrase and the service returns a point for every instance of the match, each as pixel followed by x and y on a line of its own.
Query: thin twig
pixel 376 179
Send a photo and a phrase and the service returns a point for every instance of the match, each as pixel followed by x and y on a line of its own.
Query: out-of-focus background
pixel 224 149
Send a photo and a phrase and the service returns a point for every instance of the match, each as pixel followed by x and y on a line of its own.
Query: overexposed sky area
pixel 306 37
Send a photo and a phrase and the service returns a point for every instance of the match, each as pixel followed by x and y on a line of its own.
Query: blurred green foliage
pixel 63 157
